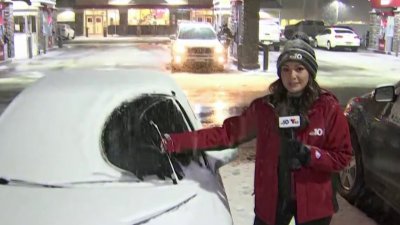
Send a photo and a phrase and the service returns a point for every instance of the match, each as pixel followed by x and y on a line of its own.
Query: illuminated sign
pixel 385 3
pixel 52 2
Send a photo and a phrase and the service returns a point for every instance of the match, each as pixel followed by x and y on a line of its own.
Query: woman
pixel 293 166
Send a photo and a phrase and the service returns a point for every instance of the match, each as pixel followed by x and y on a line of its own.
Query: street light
pixel 337 4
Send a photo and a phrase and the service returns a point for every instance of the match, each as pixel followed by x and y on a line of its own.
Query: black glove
pixel 299 154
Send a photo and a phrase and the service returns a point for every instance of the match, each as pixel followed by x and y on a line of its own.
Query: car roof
pixel 53 128
pixel 196 24
pixel 341 28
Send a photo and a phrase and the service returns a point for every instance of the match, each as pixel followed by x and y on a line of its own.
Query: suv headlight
pixel 219 49
pixel 179 49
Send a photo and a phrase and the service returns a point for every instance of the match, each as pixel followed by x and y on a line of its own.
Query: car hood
pixel 115 205
pixel 198 43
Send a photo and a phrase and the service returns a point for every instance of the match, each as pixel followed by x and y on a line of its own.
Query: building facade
pixel 385 26
pixel 125 17
pixel 6 31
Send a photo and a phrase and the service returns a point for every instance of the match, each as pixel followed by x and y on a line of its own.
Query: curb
pixel 5 62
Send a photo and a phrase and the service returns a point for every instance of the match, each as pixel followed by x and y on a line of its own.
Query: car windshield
pixel 203 33
pixel 129 131
pixel 344 32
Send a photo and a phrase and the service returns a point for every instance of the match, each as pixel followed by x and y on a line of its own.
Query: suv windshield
pixel 204 33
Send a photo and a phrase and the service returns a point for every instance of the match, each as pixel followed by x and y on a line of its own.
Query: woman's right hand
pixel 167 145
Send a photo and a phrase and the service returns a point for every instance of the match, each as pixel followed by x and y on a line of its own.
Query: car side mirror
pixel 384 94
pixel 172 37
pixel 217 159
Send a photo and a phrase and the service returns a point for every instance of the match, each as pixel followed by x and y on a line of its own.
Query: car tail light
pixel 338 36
pixel 356 37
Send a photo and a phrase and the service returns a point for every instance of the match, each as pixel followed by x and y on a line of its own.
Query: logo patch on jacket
pixel 317 132
pixel 317 154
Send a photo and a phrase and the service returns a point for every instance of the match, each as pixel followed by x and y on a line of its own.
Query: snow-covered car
pixel 374 120
pixel 66 31
pixel 336 37
pixel 71 145
pixel 194 44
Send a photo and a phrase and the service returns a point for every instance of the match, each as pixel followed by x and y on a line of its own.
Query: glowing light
pixel 219 49
pixel 220 112
pixel 176 2
pixel 119 2
pixel 66 16
pixel 221 59
pixel 178 59
pixel 197 109
pixel 179 49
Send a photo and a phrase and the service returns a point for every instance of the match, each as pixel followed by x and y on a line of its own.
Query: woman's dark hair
pixel 283 104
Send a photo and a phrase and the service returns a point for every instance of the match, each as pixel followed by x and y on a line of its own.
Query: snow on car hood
pixel 198 43
pixel 86 206
pixel 119 203
pixel 51 132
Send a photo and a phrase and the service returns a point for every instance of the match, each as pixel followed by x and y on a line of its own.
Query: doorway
pixel 94 25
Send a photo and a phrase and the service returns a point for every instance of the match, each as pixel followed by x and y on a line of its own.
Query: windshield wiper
pixel 17 182
pixel 174 176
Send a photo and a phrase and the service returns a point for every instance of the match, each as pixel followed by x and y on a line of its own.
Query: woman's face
pixel 294 77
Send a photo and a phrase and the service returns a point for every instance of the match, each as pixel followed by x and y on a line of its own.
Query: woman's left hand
pixel 300 154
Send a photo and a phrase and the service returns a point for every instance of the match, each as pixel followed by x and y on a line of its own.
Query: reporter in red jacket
pixel 293 174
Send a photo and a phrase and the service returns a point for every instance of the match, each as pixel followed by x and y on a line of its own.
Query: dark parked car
pixel 310 27
pixel 374 121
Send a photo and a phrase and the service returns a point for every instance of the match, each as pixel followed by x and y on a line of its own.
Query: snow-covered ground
pixel 238 182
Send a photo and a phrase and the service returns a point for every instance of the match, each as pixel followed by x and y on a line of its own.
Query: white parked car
pixel 71 154
pixel 270 33
pixel 66 31
pixel 333 37
pixel 197 44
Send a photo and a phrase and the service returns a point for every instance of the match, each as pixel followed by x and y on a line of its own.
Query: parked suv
pixel 374 120
pixel 310 27
pixel 270 33
pixel 195 44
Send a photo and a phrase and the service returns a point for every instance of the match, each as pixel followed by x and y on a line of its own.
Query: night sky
pixel 355 10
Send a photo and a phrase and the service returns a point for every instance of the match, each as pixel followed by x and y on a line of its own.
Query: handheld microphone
pixel 289 122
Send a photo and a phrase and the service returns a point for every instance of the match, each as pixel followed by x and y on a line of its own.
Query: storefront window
pixel 113 17
pixel 202 15
pixel 66 16
pixel 148 17
pixel 19 24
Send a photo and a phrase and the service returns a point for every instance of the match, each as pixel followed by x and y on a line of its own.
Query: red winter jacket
pixel 327 135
